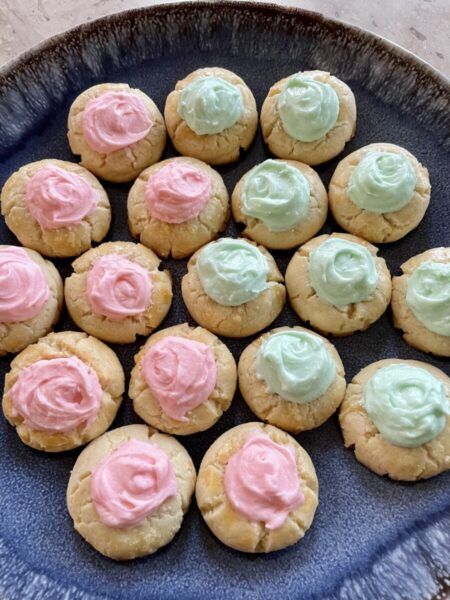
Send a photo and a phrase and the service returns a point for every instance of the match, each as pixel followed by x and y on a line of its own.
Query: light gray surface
pixel 421 26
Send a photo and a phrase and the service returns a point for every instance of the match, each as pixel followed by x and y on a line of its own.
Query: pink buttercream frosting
pixel 177 192
pixel 57 198
pixel 115 120
pixel 262 482
pixel 117 287
pixel 180 373
pixel 57 395
pixel 131 483
pixel 23 287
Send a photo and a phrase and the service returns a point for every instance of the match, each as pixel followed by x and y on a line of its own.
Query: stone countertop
pixel 418 25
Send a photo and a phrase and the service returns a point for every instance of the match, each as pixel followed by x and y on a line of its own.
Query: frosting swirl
pixel 57 395
pixel 407 404
pixel 115 120
pixel 117 287
pixel 180 373
pixel 428 296
pixel 277 194
pixel 261 481
pixel 296 365
pixel 57 198
pixel 342 272
pixel 177 192
pixel 23 287
pixel 308 108
pixel 210 105
pixel 382 182
pixel 131 483
pixel 232 272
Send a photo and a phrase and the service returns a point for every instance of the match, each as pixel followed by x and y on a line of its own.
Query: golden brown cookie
pixel 19 295
pixel 124 162
pixel 378 227
pixel 237 272
pixel 180 377
pixel 117 292
pixel 371 282
pixel 177 238
pixel 46 402
pixel 281 188
pixel 372 448
pixel 233 113
pixel 49 239
pixel 157 528
pixel 230 526
pixel 295 383
pixel 315 145
pixel 415 331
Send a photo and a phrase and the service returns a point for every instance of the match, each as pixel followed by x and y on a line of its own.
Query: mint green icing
pixel 382 182
pixel 308 108
pixel 277 194
pixel 342 272
pixel 407 404
pixel 232 271
pixel 296 365
pixel 428 295
pixel 210 105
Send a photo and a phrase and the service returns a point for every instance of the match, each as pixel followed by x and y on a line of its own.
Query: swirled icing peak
pixel 210 105
pixel 57 198
pixel 180 373
pixel 23 287
pixel 118 288
pixel 407 404
pixel 177 192
pixel 232 271
pixel 308 108
pixel 262 482
pixel 115 120
pixel 131 483
pixel 296 365
pixel 277 194
pixel 428 295
pixel 342 272
pixel 57 395
pixel 382 182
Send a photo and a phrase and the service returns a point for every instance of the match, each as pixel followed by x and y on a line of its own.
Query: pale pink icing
pixel 180 373
pixel 262 482
pixel 177 192
pixel 131 483
pixel 57 395
pixel 57 198
pixel 115 120
pixel 23 287
pixel 117 287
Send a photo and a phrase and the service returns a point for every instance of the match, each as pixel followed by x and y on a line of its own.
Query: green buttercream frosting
pixel 277 194
pixel 382 182
pixel 407 404
pixel 295 365
pixel 232 271
pixel 342 272
pixel 308 108
pixel 428 295
pixel 210 105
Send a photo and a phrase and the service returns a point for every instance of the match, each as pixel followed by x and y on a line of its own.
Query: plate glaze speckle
pixel 371 538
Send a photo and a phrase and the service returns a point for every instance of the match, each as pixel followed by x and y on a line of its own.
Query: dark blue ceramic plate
pixel 371 538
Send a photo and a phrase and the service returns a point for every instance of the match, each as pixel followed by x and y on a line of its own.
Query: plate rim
pixel 12 567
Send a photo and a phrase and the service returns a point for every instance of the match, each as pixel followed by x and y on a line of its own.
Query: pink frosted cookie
pixel 257 488
pixel 184 379
pixel 118 292
pixel 129 491
pixel 177 206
